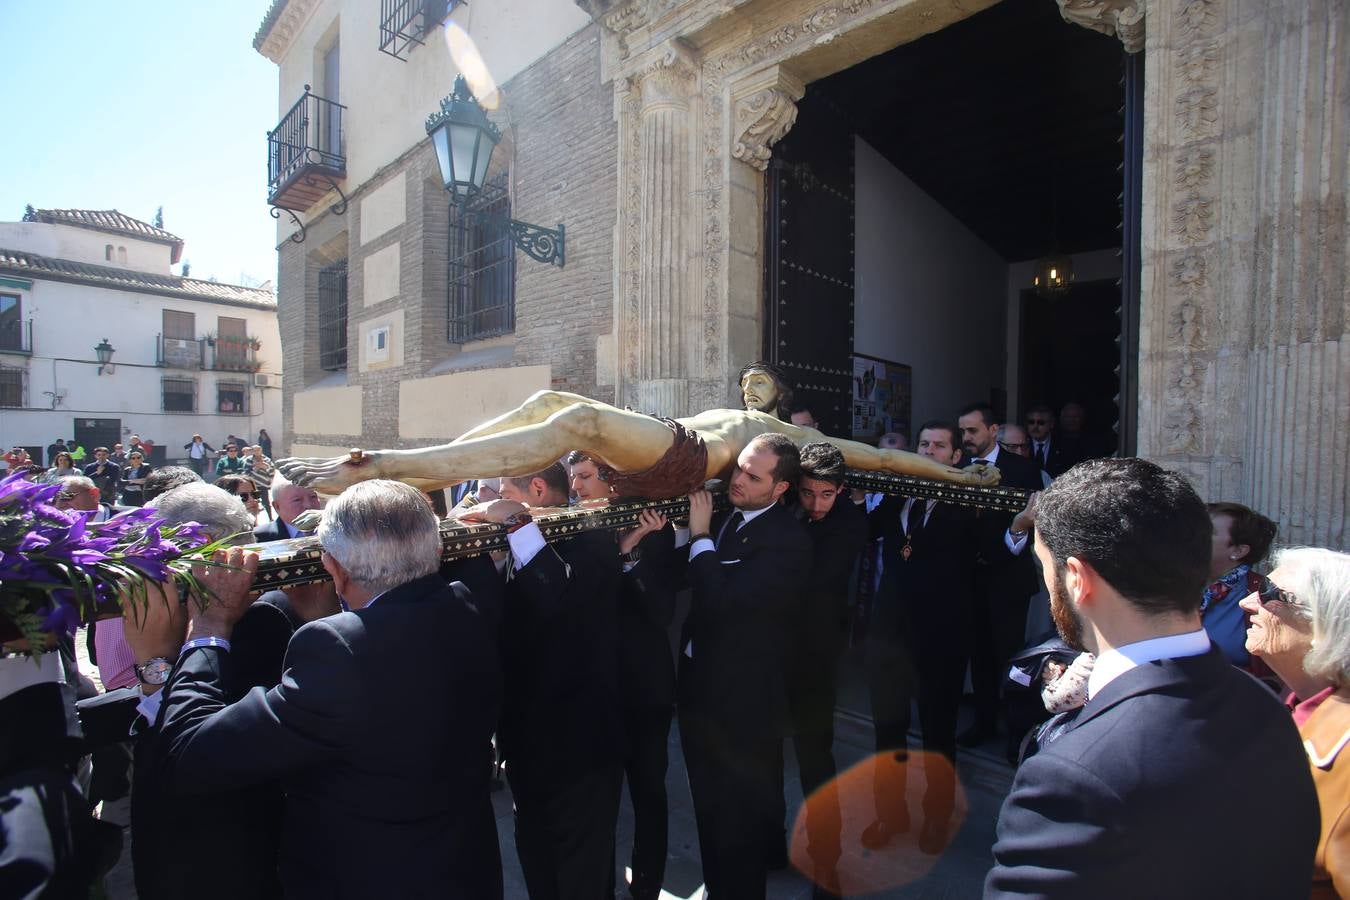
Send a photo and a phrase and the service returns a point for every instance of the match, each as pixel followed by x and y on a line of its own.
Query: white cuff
pixel 701 545
pixel 525 541
pixel 149 705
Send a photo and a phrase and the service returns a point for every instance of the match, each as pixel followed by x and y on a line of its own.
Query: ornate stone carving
pixel 1191 218
pixel 1119 18
pixel 1195 18
pixel 273 41
pixel 763 109
pixel 667 76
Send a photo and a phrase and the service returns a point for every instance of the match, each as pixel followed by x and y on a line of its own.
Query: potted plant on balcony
pixel 255 342
pixel 210 339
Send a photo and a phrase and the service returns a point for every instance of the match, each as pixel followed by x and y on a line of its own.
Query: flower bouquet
pixel 58 570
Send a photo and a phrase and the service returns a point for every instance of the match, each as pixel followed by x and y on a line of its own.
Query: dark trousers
pixel 565 832
pixel 812 693
pixel 731 782
pixel 997 631
pixel 199 465
pixel 647 730
pixel 914 652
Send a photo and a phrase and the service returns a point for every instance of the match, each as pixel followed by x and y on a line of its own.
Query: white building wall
pixel 388 100
pixel 928 292
pixel 86 245
pixel 63 383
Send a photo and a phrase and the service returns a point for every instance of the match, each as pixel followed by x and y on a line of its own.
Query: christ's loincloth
pixel 681 469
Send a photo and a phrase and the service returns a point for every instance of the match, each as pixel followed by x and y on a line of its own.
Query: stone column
pixel 1244 360
pixel 657 331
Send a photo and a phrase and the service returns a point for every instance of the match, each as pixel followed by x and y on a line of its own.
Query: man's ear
pixel 779 489
pixel 1080 581
pixel 334 568
pixel 98 495
pixel 956 455
pixel 538 490
pixel 1241 551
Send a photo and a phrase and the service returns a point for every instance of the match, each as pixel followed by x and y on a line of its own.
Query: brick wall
pixel 562 151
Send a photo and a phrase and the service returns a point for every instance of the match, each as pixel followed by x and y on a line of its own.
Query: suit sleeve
pixel 651 583
pixel 774 566
pixel 1053 839
pixel 211 746
pixel 548 582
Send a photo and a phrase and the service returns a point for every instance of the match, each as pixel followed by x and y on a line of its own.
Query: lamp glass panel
pixel 485 148
pixel 438 140
pixel 463 141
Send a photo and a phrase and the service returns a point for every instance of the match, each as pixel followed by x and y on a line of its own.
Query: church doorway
pixel 907 209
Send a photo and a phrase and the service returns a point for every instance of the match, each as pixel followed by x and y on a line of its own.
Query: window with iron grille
pixel 232 398
pixel 180 394
pixel 482 272
pixel 333 316
pixel 11 388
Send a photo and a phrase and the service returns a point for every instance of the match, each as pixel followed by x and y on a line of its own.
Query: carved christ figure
pixel 643 456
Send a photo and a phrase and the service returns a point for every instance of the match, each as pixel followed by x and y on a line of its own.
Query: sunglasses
pixel 245 495
pixel 1270 592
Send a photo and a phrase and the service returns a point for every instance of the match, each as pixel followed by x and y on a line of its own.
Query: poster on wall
pixel 882 395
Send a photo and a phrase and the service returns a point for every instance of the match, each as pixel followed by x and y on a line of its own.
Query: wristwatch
pixel 631 556
pixel 155 670
pixel 517 521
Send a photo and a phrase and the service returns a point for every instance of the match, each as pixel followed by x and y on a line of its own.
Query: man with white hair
pixel 289 500
pixel 378 728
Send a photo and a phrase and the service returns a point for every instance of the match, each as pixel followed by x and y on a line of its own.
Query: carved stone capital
pixel 666 75
pixel 764 108
pixel 1119 18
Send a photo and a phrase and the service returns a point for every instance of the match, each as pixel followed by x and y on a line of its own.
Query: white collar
pixel 991 459
pixel 1119 660
pixel 748 516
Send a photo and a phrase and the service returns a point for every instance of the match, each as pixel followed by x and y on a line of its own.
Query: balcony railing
pixel 17 337
pixel 404 23
pixel 304 153
pixel 176 353
pixel 235 354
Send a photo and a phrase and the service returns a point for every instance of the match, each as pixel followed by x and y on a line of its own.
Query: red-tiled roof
pixel 113 222
pixel 270 19
pixel 30 265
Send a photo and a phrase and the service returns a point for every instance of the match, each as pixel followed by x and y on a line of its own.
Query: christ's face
pixel 759 391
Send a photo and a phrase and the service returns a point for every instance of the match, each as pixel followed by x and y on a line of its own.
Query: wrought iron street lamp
pixel 464 138
pixel 1054 275
pixel 105 353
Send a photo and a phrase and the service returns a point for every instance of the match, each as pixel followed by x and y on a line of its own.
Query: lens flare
pixel 827 844
pixel 471 65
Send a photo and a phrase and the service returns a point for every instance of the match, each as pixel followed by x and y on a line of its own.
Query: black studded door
pixel 808 322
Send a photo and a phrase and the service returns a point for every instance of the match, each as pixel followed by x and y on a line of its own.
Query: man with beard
pixel 1136 798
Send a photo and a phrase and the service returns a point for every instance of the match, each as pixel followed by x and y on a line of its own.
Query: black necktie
pixel 1040 453
pixel 732 526
pixel 917 509
pixel 977 461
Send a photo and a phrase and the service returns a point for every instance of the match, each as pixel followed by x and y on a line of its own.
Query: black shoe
pixel 933 836
pixel 975 736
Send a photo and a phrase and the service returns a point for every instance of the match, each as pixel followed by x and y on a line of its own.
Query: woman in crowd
pixel 258 467
pixel 133 479
pixel 65 465
pixel 1242 538
pixel 1300 627
pixel 265 442
pixel 243 488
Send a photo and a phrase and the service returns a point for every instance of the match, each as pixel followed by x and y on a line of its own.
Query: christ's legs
pixel 625 440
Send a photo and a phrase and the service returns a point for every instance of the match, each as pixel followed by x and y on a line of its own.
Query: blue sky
pixel 139 104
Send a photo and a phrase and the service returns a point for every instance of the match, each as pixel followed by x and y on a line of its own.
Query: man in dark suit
pixel 560 735
pixel 1050 453
pixel 1176 754
pixel 915 645
pixel 646 674
pixel 746 572
pixel 1005 577
pixel 378 725
pixel 289 500
pixel 838 531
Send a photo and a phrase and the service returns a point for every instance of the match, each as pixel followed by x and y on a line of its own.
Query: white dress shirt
pixel 1119 660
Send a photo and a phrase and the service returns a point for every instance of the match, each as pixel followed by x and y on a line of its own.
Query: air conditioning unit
pixel 264 380
pixel 182 354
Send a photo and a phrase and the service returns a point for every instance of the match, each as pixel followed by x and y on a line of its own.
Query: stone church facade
pixel 658 169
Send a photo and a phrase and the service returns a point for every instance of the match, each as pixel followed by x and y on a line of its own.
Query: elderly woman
pixel 1300 627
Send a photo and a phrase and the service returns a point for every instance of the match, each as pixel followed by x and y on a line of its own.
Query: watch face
pixel 156 671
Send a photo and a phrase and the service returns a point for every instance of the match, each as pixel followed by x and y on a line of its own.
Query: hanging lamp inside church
pixel 1053 275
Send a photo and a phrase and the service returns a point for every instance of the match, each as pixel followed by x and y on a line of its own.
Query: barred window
pixel 11 388
pixel 333 316
pixel 232 398
pixel 180 394
pixel 482 269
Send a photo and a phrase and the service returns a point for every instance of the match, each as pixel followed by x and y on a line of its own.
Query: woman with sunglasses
pixel 1300 627
pixel 242 487
pixel 133 479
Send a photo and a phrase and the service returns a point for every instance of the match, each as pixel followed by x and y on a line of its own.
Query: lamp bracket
pixel 546 245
